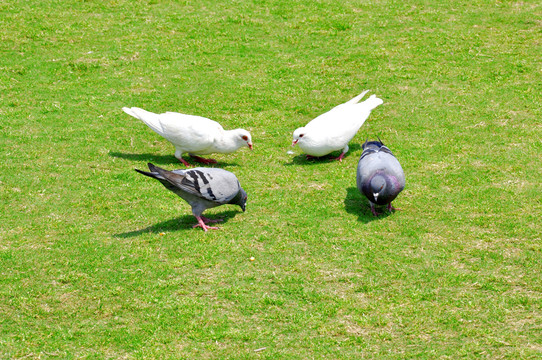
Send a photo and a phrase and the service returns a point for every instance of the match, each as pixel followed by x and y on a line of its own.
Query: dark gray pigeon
pixel 380 177
pixel 202 188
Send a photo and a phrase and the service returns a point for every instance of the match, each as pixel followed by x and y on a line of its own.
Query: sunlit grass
pixel 98 262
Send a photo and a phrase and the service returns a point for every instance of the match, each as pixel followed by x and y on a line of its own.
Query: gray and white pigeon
pixel 202 188
pixel 380 176
pixel 192 134
pixel 334 129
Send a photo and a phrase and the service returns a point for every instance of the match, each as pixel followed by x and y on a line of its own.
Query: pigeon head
pixel 377 186
pixel 244 138
pixel 298 135
pixel 371 144
pixel 240 199
pixel 243 201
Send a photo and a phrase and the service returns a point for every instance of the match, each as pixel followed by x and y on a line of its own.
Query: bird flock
pixel 380 177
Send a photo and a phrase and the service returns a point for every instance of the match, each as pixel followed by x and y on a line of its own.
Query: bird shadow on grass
pixel 164 159
pixel 181 223
pixel 302 159
pixel 357 204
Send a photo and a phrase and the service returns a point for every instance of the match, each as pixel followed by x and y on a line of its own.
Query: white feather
pixel 334 129
pixel 192 134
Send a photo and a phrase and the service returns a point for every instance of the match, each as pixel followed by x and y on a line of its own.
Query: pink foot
pixel 205 227
pixel 203 160
pixel 390 208
pixel 207 220
pixel 201 224
pixel 340 158
pixel 373 210
pixel 186 163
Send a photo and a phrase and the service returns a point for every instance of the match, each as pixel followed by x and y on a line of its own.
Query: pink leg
pixel 186 163
pixel 207 220
pixel 202 225
pixel 373 210
pixel 340 158
pixel 203 160
pixel 390 208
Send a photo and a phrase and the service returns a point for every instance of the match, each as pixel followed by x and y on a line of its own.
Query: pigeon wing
pixel 188 132
pixel 215 186
pixel 170 185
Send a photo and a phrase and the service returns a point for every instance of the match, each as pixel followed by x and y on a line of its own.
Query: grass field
pixel 97 261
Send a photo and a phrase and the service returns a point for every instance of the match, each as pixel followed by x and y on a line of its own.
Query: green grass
pixel 86 273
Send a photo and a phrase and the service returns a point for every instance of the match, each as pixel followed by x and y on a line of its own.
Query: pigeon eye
pixel 301 135
pixel 244 137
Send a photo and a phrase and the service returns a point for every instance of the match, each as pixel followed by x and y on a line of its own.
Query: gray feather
pixel 380 176
pixel 202 188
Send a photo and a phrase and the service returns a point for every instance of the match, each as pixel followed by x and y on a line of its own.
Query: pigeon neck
pixel 239 199
pixel 376 189
pixel 378 183
pixel 229 142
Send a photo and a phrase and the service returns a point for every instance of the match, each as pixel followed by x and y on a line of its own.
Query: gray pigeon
pixel 202 188
pixel 380 177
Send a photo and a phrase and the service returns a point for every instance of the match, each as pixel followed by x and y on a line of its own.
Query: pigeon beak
pixel 295 142
pixel 375 195
pixel 249 145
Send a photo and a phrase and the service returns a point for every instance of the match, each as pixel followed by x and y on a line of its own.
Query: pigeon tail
pixel 159 173
pixel 151 119
pixel 372 102
pixel 146 173
pixel 357 98
pixel 170 176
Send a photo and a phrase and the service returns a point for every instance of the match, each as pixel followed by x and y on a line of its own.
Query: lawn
pixel 97 261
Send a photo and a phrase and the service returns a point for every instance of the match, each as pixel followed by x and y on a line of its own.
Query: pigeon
pixel 202 188
pixel 334 129
pixel 192 134
pixel 380 177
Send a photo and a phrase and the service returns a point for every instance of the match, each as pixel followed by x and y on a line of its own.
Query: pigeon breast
pixel 379 172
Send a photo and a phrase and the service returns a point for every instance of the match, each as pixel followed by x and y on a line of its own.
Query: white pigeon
pixel 334 129
pixel 192 134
